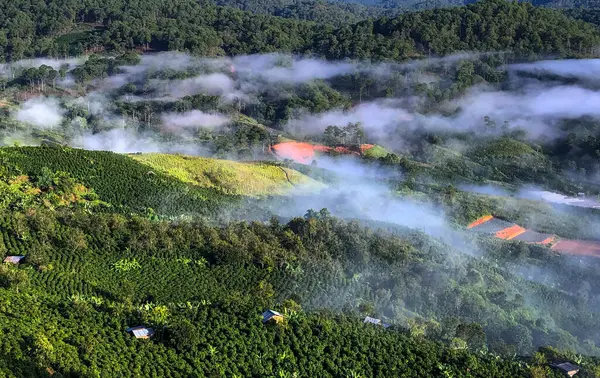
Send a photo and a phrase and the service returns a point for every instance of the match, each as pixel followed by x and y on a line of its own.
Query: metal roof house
pixel 271 315
pixel 141 332
pixel 375 321
pixel 13 259
pixel 567 368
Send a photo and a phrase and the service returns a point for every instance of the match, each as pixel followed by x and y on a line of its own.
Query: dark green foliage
pixel 118 180
pixel 318 11
pixel 202 28
pixel 88 275
pixel 204 288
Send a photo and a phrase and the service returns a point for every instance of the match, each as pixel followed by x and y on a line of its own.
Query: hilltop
pixel 209 30
pixel 230 177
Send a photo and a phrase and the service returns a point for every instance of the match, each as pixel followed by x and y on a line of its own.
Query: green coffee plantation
pixel 93 268
pixel 89 277
pixel 118 180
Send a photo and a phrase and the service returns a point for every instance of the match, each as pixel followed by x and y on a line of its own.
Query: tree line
pixel 67 28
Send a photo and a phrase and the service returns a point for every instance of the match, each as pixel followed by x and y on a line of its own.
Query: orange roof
pixel 510 232
pixel 480 221
pixel 578 247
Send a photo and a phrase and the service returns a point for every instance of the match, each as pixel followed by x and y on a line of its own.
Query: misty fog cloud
pixel 558 198
pixel 128 141
pixel 41 112
pixel 536 109
pixel 215 84
pixel 362 193
pixel 8 69
pixel 96 103
pixel 293 70
pixel 588 69
pixel 378 118
pixel 241 77
pixel 194 119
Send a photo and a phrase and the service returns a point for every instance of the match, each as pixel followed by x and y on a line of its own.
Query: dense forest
pixel 62 28
pixel 310 10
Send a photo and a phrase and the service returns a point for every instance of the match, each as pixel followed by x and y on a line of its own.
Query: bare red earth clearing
pixel 304 153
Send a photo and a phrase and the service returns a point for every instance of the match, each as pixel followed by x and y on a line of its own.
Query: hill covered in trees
pixel 464 122
pixel 92 271
pixel 205 29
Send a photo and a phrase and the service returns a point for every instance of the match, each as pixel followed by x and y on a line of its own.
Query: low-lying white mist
pixel 193 119
pixel 536 109
pixel 363 192
pixel 128 141
pixel 586 69
pixel 41 112
pixel 9 70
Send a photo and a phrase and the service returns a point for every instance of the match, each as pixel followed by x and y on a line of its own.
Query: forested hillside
pixel 412 5
pixel 187 165
pixel 319 11
pixel 71 28
pixel 91 273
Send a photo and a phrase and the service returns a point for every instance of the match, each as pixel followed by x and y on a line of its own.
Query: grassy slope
pixel 376 152
pixel 230 177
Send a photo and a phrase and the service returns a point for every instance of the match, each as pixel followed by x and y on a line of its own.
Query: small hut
pixel 567 368
pixel 141 332
pixel 13 259
pixel 271 315
pixel 375 321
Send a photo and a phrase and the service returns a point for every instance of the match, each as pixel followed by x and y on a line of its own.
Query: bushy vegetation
pixel 112 240
pixel 376 152
pixel 87 277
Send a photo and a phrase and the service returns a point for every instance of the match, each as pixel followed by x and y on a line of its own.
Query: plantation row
pixel 315 262
pixel 118 180
pixel 72 308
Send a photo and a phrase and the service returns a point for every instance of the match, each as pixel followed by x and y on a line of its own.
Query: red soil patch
pixel 305 152
pixel 299 152
pixel 578 247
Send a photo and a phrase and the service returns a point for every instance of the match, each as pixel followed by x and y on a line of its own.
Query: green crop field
pixel 118 180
